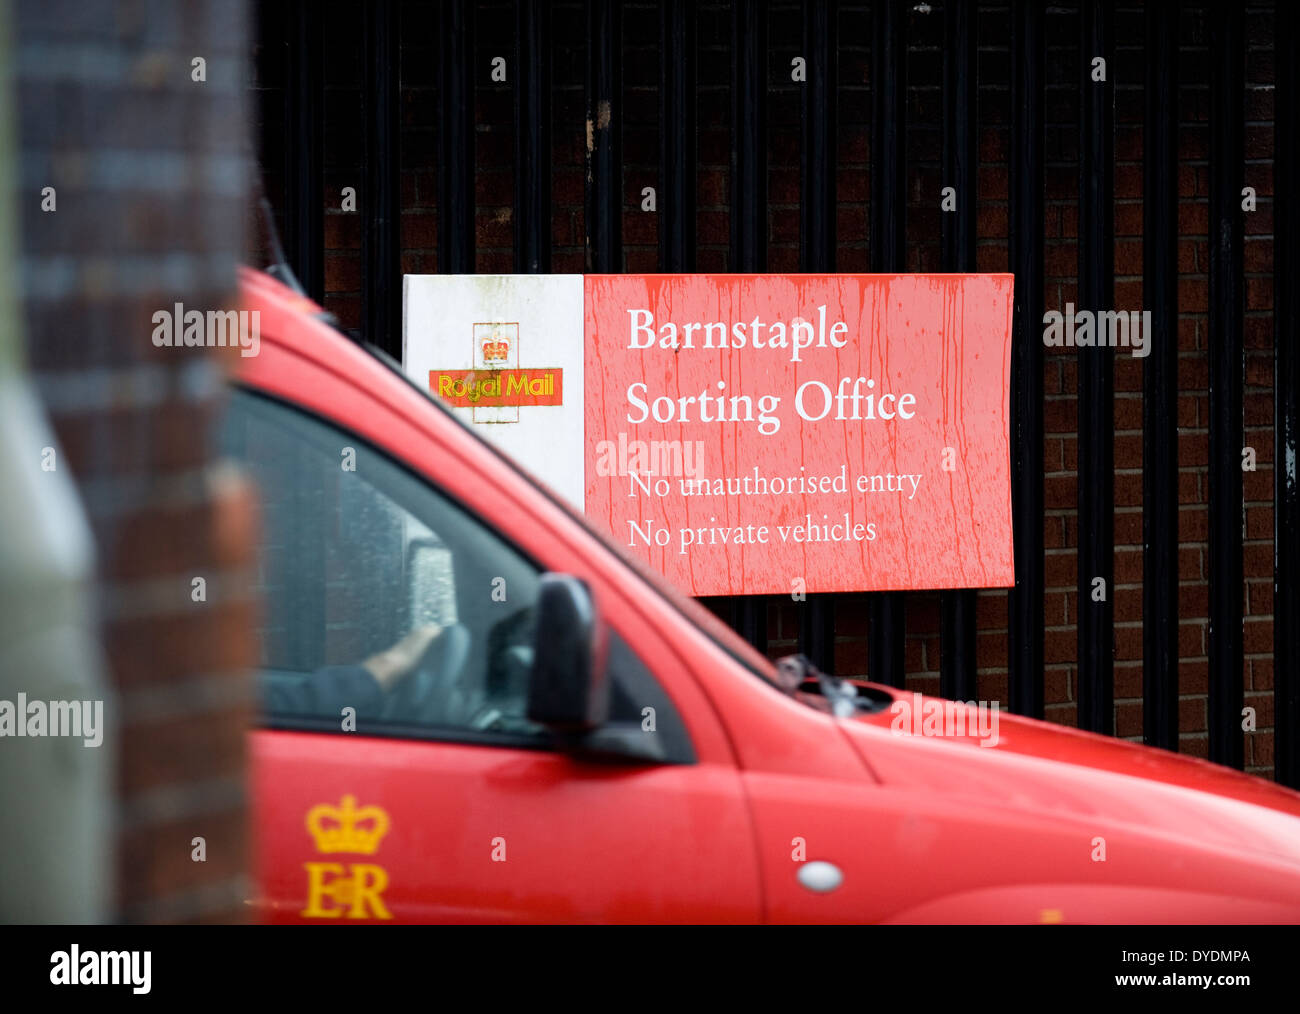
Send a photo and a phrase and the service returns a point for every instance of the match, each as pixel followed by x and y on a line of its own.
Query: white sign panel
pixel 506 353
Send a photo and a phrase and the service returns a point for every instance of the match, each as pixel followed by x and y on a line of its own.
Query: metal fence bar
pixel 604 213
pixel 1227 375
pixel 304 116
pixel 749 135
pixel 1095 603
pixel 1286 394
pixel 887 619
pixel 532 213
pixel 381 200
pixel 957 672
pixel 1025 605
pixel 749 205
pixel 456 139
pixel 1160 382
pixel 817 240
pixel 677 139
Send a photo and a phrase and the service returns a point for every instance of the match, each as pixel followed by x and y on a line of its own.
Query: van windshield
pixel 717 631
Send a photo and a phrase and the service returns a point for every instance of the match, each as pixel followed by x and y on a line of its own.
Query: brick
pixel 1257 635
pixel 990 649
pixel 1062 714
pixel 992 686
pixel 208 637
pixel 419 230
pixel 155 862
pixel 1191 714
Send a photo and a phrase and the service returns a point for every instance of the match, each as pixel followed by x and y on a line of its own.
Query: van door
pixel 397 777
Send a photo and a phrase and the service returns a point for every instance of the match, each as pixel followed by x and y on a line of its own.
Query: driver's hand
pixel 390 666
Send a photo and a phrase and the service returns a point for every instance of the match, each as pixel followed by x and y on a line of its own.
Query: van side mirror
pixel 568 692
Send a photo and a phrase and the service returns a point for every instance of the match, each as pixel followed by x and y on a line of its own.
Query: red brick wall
pixel 495 153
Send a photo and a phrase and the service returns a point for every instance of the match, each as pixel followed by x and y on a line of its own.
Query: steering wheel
pixel 425 693
pixel 842 695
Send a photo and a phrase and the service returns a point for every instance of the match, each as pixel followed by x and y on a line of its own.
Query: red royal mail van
pixel 476 711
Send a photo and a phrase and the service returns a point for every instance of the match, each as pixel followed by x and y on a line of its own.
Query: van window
pixel 378 593
pixel 383 596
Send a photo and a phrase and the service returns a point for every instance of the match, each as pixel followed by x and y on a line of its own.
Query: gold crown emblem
pixel 346 835
pixel 495 350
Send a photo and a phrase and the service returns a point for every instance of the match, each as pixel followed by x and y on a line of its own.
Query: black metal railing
pixel 533 45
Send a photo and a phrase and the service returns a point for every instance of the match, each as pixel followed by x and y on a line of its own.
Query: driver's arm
pixel 329 690
pixel 326 691
pixel 389 667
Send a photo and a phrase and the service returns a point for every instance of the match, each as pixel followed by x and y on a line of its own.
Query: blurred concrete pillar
pixel 56 840
pixel 132 200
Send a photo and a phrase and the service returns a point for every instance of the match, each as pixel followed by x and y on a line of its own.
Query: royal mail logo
pixel 491 388
pixel 352 888
pixel 496 382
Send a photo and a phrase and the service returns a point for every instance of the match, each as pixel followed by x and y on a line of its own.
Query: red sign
pixel 486 388
pixel 787 434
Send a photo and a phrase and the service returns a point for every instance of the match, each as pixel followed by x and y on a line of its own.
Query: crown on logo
pixel 347 836
pixel 495 349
